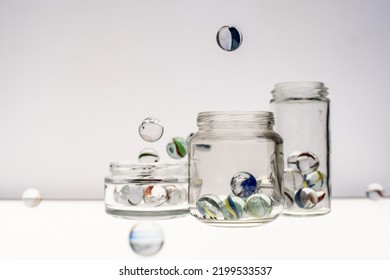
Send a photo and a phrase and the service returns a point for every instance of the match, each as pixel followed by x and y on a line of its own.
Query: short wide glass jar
pixel 235 169
pixel 156 190
pixel 302 118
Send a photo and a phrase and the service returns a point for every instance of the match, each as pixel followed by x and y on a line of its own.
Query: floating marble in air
pixel 209 206
pixel 315 180
pixel 177 148
pixel 233 208
pixel 129 195
pixel 306 198
pixel 148 155
pixel 375 191
pixel 229 38
pixel 155 196
pixel 292 179
pixel 151 129
pixel 259 205
pixel 243 184
pixel 176 194
pixel 31 197
pixel 146 239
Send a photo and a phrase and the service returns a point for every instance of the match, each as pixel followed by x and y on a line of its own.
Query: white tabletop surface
pixel 355 229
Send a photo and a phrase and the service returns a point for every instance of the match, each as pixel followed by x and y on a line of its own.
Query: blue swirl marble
pixel 243 184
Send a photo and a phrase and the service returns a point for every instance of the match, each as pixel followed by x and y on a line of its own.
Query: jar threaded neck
pixel 235 119
pixel 299 90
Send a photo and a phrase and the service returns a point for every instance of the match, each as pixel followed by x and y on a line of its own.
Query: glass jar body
pixel 147 190
pixel 302 118
pixel 219 152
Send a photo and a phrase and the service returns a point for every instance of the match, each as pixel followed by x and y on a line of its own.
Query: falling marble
pixel 154 196
pixel 148 155
pixel 146 239
pixel 151 129
pixel 229 38
pixel 176 194
pixel 375 191
pixel 31 197
pixel 243 184
pixel 259 205
pixel 177 148
pixel 233 208
pixel 209 206
pixel 306 198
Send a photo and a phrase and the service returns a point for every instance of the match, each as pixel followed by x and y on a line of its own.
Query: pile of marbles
pixel 247 199
pixel 303 183
pixel 151 195
pixel 151 130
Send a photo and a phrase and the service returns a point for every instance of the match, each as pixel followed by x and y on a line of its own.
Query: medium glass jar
pixel 156 190
pixel 235 178
pixel 302 118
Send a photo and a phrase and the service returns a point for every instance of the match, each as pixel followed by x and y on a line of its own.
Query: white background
pixel 356 229
pixel 77 77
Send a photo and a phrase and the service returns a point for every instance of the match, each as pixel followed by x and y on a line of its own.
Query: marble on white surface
pixel 355 229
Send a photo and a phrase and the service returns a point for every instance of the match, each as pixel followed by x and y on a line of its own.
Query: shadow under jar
pixel 147 190
pixel 302 118
pixel 235 169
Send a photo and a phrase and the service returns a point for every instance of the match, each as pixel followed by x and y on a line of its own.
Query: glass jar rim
pixel 236 113
pixel 301 84
pixel 235 118
pixel 299 90
pixel 155 170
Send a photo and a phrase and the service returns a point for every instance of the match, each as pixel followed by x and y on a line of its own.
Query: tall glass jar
pixel 302 118
pixel 157 190
pixel 235 178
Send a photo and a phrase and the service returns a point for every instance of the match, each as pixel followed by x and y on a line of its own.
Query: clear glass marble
pixel 236 169
pixel 148 155
pixel 302 118
pixel 32 197
pixel 157 190
pixel 146 239
pixel 151 129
